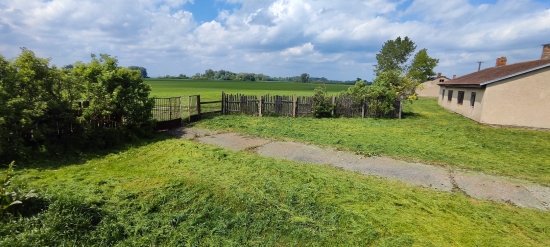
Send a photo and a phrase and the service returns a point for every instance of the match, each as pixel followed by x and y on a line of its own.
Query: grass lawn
pixel 180 193
pixel 428 133
pixel 212 90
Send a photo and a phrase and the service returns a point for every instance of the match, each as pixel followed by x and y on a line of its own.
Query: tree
pixel 304 78
pixel 394 55
pixel 422 66
pixel 395 71
pixel 142 70
pixel 208 74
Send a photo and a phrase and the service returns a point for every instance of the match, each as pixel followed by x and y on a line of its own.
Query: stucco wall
pixel 464 108
pixel 431 89
pixel 520 101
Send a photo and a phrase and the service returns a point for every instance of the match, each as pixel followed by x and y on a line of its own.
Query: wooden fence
pixel 173 112
pixel 298 106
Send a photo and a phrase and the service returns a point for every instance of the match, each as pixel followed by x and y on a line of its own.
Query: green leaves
pixel 395 71
pixel 323 106
pixel 394 55
pixel 422 66
pixel 42 107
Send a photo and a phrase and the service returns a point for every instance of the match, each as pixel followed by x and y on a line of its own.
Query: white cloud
pixel 298 50
pixel 338 39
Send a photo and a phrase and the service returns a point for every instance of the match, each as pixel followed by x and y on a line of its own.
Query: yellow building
pixel 430 88
pixel 506 95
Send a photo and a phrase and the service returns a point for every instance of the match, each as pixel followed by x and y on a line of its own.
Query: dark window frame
pixel 460 97
pixel 472 99
pixel 443 94
pixel 450 95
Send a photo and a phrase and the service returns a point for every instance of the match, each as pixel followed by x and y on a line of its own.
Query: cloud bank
pixel 334 39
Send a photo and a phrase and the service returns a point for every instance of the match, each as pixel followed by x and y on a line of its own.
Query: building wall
pixel 520 101
pixel 431 89
pixel 465 108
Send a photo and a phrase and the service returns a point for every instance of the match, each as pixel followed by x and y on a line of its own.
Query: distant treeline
pixel 225 75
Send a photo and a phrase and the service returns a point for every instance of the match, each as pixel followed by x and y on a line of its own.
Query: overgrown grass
pixel 212 90
pixel 181 193
pixel 428 133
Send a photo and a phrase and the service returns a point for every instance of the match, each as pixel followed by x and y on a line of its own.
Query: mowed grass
pixel 212 90
pixel 174 192
pixel 428 134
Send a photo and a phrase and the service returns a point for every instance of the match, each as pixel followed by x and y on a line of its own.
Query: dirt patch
pixel 192 133
pixel 232 141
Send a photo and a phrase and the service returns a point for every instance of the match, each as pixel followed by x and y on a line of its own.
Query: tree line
pixel 45 109
pixel 225 75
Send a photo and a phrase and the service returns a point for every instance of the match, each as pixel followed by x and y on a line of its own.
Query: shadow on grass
pixel 411 115
pixel 52 162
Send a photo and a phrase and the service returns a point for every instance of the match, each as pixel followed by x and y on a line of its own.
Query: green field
pixel 172 192
pixel 212 90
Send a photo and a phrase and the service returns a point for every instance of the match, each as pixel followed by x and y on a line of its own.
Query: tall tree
pixel 422 66
pixel 304 78
pixel 394 56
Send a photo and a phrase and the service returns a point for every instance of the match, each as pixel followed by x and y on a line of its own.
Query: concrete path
pixel 477 185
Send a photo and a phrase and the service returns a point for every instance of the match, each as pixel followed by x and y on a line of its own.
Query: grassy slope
pixel 176 192
pixel 428 133
pixel 211 90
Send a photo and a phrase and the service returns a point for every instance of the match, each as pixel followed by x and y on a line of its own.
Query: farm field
pixel 174 192
pixel 212 90
pixel 427 134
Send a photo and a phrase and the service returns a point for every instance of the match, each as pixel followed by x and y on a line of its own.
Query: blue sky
pixel 208 10
pixel 325 38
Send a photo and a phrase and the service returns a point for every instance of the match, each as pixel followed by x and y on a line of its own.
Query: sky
pixel 338 40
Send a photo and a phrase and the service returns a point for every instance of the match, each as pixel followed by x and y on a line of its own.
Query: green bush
pixel 117 97
pixel 322 103
pixel 40 110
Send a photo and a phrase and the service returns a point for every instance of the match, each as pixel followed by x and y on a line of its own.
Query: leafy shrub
pixel 40 110
pixel 116 95
pixel 15 202
pixel 322 103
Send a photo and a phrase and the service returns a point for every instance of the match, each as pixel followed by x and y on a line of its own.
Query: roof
pixel 495 74
pixel 437 77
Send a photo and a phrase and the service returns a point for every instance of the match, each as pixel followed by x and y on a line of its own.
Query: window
pixel 472 99
pixel 450 96
pixel 460 98
pixel 441 80
pixel 443 94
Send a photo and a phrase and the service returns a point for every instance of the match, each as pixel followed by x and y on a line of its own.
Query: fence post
pixel 223 103
pixel 333 104
pixel 260 106
pixel 294 105
pixel 199 105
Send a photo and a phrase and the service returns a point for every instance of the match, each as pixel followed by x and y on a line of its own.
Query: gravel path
pixel 477 185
